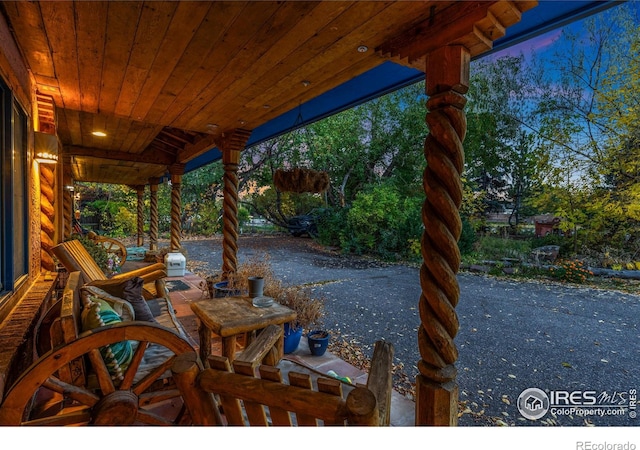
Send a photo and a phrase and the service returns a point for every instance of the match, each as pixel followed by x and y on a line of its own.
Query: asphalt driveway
pixel 578 345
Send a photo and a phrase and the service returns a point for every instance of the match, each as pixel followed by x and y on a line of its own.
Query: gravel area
pixel 514 335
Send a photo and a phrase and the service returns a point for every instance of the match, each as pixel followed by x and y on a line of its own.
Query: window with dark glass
pixel 14 246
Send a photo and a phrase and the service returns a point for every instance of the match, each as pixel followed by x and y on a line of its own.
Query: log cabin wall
pixel 22 304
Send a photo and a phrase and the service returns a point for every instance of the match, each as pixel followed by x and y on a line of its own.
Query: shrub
pixel 382 222
pixel 468 237
pixel 571 271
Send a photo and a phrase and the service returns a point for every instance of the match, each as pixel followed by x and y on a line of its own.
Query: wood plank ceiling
pixel 164 79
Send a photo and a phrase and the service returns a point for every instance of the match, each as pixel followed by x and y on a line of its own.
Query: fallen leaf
pixel 567 365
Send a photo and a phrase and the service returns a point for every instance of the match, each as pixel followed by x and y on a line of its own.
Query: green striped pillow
pixel 117 356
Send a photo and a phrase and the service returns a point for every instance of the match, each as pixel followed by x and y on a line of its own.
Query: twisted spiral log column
pixel 437 392
pixel 140 193
pixel 231 144
pixel 230 220
pixel 67 213
pixel 47 216
pixel 153 214
pixel 176 213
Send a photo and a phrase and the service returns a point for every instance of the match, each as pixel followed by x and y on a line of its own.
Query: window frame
pixel 10 111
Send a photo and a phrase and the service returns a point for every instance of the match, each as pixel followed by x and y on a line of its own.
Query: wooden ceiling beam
pixel 475 25
pixel 119 156
pixel 440 29
pixel 194 150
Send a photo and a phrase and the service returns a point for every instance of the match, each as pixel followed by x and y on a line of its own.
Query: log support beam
pixel 447 81
pixel 140 195
pixel 153 213
pixel 176 171
pixel 47 215
pixel 68 199
pixel 231 146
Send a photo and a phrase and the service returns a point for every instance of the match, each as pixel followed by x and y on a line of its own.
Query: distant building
pixel 546 224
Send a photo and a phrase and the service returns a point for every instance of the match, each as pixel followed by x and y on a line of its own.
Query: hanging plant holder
pixel 301 180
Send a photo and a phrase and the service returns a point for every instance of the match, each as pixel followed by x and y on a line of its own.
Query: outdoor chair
pixel 75 257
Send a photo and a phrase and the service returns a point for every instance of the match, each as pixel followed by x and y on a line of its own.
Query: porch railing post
pixel 447 81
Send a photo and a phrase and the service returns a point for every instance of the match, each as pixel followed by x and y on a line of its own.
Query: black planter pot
pixel 318 341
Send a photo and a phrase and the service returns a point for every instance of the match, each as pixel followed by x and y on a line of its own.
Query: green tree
pixel 589 113
pixel 502 152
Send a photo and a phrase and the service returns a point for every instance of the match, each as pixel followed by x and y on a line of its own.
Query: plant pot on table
pixel 318 342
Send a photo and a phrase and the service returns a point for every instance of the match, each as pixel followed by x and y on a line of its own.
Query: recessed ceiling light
pixel 99 133
pixel 363 49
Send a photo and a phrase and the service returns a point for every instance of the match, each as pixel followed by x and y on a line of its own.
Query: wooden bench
pixel 261 396
pixel 71 384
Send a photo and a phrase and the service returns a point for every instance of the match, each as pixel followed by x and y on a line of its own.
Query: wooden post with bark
pixel 176 171
pixel 140 214
pixel 447 81
pixel 231 145
pixel 153 213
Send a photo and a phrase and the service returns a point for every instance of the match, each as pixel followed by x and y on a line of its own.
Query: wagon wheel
pixel 113 247
pixel 40 397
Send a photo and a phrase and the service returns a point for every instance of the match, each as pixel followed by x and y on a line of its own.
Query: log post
pixel 447 81
pixel 67 198
pixel 201 404
pixel 47 216
pixel 153 213
pixel 140 194
pixel 176 171
pixel 231 145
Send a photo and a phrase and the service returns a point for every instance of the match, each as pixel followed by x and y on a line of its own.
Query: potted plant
pixel 309 308
pixel 318 342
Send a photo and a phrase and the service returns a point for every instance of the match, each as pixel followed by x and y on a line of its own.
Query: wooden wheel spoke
pixel 70 418
pixel 130 374
pixel 150 418
pixel 77 393
pixel 102 373
pixel 154 375
pixel 150 398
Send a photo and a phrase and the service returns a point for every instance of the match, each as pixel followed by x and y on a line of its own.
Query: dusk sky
pixel 546 41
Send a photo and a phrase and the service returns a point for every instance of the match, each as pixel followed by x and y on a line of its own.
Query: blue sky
pixel 546 42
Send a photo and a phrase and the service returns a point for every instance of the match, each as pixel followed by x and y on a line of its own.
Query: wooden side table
pixel 230 316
